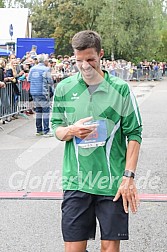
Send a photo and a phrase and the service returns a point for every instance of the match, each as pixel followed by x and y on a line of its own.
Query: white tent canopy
pixel 18 18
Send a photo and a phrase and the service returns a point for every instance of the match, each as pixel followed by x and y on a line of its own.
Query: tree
pixel 130 27
pixel 30 4
pixel 2 5
pixel 57 19
pixel 74 16
pixel 62 19
pixel 92 12
pixel 162 52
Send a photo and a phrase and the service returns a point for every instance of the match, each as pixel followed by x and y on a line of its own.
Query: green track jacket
pixel 96 170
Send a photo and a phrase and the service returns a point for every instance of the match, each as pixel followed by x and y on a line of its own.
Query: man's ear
pixel 101 53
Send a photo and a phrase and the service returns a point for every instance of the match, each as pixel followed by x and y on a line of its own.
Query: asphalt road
pixel 30 163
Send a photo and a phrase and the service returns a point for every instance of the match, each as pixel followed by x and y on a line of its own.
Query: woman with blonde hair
pixel 4 94
pixel 2 65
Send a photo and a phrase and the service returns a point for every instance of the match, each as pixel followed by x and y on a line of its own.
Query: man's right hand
pixel 2 84
pixel 79 129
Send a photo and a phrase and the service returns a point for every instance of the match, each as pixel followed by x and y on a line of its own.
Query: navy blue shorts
pixel 80 211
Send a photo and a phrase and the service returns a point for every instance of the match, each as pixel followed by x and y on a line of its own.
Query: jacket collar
pixel 104 85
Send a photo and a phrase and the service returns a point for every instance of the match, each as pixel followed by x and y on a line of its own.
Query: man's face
pixel 88 63
pixel 46 62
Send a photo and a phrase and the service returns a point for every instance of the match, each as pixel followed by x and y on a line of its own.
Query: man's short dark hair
pixel 87 39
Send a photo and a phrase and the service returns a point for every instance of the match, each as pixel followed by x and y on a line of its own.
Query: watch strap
pixel 129 174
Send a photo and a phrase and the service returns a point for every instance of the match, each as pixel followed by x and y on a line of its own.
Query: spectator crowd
pixel 15 70
pixel 14 75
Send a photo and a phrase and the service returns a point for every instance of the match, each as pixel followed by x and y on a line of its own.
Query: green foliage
pixel 22 3
pixel 62 19
pixel 162 50
pixel 129 29
pixel 2 5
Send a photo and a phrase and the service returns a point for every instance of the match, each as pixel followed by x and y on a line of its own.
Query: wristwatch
pixel 129 174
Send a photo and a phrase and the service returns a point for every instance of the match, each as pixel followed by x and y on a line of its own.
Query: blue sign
pixel 11 30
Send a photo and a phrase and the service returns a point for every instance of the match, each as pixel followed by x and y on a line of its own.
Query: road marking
pixel 59 196
pixel 36 152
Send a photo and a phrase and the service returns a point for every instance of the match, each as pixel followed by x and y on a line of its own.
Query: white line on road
pixel 36 152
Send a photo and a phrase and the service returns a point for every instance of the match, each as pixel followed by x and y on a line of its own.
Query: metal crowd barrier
pixel 14 99
pixel 139 74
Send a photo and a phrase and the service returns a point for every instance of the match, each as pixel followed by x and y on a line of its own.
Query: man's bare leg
pixel 75 246
pixel 110 246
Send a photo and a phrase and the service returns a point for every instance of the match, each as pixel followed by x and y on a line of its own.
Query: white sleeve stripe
pixel 109 146
pixel 135 106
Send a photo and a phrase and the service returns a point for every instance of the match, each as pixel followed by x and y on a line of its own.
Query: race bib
pixel 95 139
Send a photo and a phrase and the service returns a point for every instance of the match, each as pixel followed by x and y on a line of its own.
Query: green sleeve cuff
pixel 135 138
pixel 54 128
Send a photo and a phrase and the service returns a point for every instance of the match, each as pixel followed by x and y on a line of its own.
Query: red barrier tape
pixel 59 195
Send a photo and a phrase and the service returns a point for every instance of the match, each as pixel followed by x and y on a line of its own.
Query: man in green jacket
pixel 98 117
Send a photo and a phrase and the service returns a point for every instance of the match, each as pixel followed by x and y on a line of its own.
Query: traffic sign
pixel 11 30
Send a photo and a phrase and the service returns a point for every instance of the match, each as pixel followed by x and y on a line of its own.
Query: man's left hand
pixel 129 194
